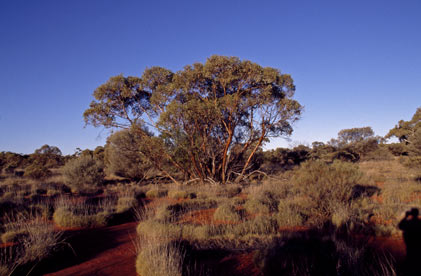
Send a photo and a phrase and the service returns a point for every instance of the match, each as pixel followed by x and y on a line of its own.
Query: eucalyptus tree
pixel 405 130
pixel 206 120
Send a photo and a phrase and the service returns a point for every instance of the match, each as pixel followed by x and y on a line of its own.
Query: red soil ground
pixel 111 250
pixel 103 251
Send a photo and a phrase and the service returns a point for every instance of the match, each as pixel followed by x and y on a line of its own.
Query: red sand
pixel 111 250
pixel 118 260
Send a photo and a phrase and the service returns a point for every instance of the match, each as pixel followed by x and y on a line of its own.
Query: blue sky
pixel 354 63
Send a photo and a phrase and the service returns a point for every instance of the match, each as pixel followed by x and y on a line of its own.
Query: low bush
pixel 327 185
pixel 36 171
pixel 83 174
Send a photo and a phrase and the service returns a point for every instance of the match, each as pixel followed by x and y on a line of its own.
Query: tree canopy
pixel 207 120
pixel 404 130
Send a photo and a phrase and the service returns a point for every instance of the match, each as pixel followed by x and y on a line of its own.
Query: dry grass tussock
pixel 73 212
pixel 35 239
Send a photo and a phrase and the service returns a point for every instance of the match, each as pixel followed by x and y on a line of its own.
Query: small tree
pixel 353 135
pixel 124 157
pixel 47 156
pixel 83 173
pixel 210 119
pixel 404 130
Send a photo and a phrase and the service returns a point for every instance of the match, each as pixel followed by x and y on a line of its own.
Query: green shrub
pixel 327 185
pixel 36 171
pixel 83 173
pixel 122 156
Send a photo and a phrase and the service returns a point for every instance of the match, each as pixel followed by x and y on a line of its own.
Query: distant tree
pixel 353 135
pixel 355 143
pixel 208 118
pixel 47 156
pixel 404 130
pixel 48 150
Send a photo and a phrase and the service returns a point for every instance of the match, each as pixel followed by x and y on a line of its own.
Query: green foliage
pixel 123 155
pixel 47 156
pixel 327 185
pixel 397 149
pixel 281 159
pixel 405 129
pixel 83 173
pixel 209 118
pixel 36 171
pixel 353 135
pixel 414 146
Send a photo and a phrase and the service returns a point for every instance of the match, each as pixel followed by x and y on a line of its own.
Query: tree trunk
pixel 240 177
pixel 224 157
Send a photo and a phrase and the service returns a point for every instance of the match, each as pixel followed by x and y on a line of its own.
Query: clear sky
pixel 355 63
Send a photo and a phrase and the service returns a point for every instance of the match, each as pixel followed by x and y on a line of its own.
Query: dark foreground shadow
pixel 411 227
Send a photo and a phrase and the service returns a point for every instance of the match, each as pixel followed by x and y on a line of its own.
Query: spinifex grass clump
pixel 34 240
pixel 156 192
pixel 226 212
pixel 75 213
